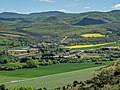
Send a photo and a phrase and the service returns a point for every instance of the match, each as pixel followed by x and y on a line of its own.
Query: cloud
pixel 87 7
pixel 62 10
pixel 47 1
pixel 116 6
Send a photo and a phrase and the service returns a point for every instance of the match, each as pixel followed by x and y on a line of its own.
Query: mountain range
pixel 66 18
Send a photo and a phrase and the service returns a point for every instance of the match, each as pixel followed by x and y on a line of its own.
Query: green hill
pixel 89 21
pixel 56 25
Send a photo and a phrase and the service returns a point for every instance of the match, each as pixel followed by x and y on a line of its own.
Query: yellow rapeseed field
pixel 87 46
pixel 93 35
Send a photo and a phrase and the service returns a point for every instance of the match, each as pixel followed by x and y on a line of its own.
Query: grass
pixel 56 80
pixel 3 47
pixel 19 47
pixel 93 35
pixel 48 70
pixel 6 58
pixel 43 71
pixel 13 64
pixel 89 46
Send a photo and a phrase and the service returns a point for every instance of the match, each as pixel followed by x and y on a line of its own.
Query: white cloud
pixel 116 6
pixel 46 0
pixel 87 7
pixel 62 10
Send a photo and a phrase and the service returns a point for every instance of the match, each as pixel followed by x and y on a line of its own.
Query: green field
pixel 49 76
pixel 14 64
pixel 55 80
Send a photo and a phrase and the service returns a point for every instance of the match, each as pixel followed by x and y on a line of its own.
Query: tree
pixel 2 87
pixel 32 64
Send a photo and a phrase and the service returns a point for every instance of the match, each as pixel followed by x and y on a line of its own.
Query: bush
pixel 23 88
pixel 31 64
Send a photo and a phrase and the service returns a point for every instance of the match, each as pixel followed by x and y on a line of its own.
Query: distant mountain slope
pixel 47 14
pixel 12 15
pixel 31 15
pixel 61 18
pixel 54 20
pixel 89 21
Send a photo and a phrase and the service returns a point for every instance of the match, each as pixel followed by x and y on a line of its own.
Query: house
pixel 33 50
pixel 19 51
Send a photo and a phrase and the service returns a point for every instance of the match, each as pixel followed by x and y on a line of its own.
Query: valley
pixel 53 49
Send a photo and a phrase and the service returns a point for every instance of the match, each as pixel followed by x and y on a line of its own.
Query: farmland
pixel 49 73
pixel 90 46
pixel 93 35
pixel 56 80
pixel 47 70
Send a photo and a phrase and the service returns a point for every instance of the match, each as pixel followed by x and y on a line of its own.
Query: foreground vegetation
pixel 104 78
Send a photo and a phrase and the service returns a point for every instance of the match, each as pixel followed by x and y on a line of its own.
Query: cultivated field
pixel 49 76
pixel 93 35
pixel 55 80
pixel 90 46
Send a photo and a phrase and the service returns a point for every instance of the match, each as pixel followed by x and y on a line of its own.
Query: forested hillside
pixel 57 25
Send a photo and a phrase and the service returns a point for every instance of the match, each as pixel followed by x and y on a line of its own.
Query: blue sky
pixel 70 6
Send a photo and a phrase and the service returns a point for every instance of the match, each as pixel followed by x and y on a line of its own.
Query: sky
pixel 68 6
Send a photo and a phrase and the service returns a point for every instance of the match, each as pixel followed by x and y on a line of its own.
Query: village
pixel 40 51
